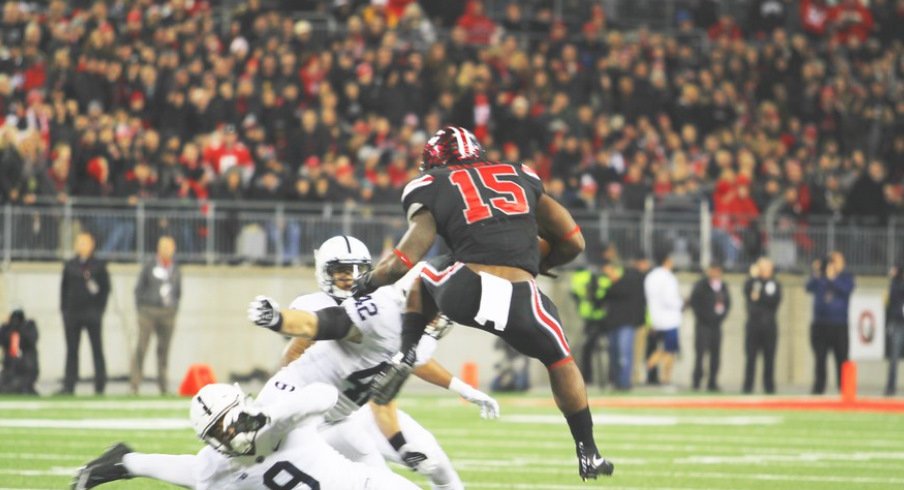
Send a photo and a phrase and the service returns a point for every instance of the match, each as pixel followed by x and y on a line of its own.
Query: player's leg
pixel 700 347
pixel 769 339
pixel 166 324
pixel 145 327
pixel 750 352
pixel 534 329
pixel 820 352
pixel 351 439
pixel 441 473
pixel 715 357
pixel 121 463
pixel 97 352
pixel 377 479
pixel 73 327
pixel 177 469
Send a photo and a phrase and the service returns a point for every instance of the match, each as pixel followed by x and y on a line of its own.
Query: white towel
pixel 495 301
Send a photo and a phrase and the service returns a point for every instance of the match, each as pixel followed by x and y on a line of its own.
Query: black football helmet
pixel 450 145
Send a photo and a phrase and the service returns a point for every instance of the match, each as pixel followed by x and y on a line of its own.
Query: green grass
pixel 530 448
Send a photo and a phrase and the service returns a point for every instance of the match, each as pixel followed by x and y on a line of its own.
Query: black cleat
pixel 592 465
pixel 105 468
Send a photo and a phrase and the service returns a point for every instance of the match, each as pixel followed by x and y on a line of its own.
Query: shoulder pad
pixel 417 183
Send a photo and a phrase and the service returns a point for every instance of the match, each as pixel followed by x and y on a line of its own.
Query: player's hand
pixel 386 386
pixel 264 312
pixel 245 423
pixel 416 460
pixel 489 407
pixel 364 285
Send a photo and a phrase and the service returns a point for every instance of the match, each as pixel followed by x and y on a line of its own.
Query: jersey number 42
pixel 487 194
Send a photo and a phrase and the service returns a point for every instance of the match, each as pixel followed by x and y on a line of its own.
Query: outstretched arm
pixel 411 248
pixel 434 373
pixel 326 324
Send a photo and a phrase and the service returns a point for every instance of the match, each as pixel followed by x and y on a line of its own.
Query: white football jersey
pixel 290 453
pixel 313 302
pixel 350 365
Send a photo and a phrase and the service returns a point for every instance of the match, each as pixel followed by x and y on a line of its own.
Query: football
pixel 545 247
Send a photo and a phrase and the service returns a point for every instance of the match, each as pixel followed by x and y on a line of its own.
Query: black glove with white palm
pixel 386 386
pixel 264 312
pixel 412 456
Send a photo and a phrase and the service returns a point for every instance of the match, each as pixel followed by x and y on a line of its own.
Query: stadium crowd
pixel 800 107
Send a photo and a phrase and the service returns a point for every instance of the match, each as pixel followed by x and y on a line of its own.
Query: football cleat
pixel 105 468
pixel 592 465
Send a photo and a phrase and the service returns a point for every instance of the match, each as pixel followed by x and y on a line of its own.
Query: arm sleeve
pixel 313 399
pixel 811 284
pixel 844 283
pixel 177 286
pixel 417 195
pixel 142 280
pixel 531 180
pixel 333 323
pixel 103 280
pixel 64 284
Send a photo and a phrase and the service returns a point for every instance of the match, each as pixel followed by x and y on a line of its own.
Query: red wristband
pixel 573 232
pixel 404 258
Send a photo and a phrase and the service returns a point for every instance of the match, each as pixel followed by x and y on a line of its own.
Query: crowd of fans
pixel 798 108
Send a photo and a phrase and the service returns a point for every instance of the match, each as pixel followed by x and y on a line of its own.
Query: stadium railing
pixel 278 233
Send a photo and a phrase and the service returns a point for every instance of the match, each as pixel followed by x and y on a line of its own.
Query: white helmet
pixel 210 414
pixel 339 251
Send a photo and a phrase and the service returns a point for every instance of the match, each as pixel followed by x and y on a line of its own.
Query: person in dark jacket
pixel 710 301
pixel 83 299
pixel 157 297
pixel 895 316
pixel 831 287
pixel 627 307
pixel 763 294
pixel 19 344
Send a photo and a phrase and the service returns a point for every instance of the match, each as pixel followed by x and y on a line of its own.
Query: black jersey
pixel 485 211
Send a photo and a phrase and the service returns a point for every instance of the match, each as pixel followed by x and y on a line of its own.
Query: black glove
pixel 387 384
pixel 364 285
pixel 246 422
pixel 412 459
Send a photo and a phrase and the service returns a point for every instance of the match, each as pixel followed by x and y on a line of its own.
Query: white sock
pixel 175 469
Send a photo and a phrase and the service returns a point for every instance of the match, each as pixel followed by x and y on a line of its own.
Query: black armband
pixel 333 323
pixel 397 441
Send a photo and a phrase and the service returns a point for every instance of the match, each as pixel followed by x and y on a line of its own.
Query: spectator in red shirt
pixel 850 19
pixel 725 28
pixel 479 28
pixel 225 151
pixel 814 16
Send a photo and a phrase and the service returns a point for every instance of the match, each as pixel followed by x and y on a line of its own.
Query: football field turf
pixel 45 440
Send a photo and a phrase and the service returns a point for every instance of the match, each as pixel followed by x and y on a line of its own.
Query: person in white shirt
pixel 664 304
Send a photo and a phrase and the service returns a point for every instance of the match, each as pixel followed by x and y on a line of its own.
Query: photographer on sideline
pixel 19 342
pixel 831 286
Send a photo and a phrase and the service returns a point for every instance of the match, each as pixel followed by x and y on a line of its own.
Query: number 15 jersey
pixel 485 211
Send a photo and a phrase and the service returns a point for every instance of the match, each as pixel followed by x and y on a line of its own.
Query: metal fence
pixel 280 233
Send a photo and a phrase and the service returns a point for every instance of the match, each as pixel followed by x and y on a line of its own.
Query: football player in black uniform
pixel 491 215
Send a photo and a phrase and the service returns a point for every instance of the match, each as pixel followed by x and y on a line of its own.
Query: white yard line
pixel 64 404
pixel 651 420
pixel 109 424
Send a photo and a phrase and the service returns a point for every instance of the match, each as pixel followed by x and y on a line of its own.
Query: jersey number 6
pixel 512 199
